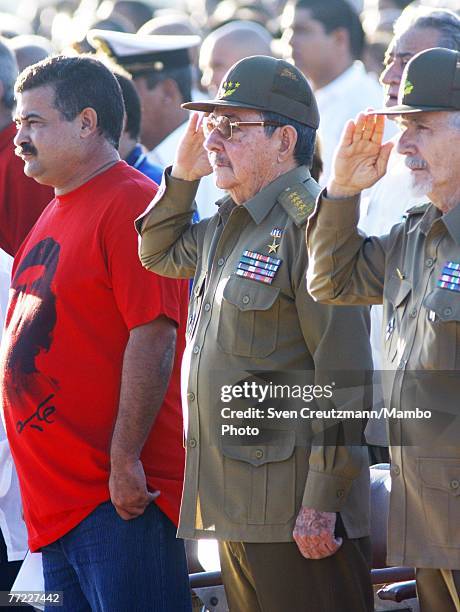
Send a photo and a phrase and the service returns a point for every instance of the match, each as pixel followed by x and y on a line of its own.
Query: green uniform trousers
pixel 438 590
pixel 275 577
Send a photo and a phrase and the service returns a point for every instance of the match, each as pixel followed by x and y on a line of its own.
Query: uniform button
pixel 413 313
pixel 447 311
pixel 429 262
pixel 259 453
pixel 454 484
pixel 220 261
pixel 245 299
pixel 196 350
pixel 190 397
pixel 207 306
pixel 192 442
pixel 396 470
pixel 340 493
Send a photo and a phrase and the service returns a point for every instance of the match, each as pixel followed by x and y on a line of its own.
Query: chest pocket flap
pixel 445 303
pixel 249 318
pixel 249 295
pixel 256 455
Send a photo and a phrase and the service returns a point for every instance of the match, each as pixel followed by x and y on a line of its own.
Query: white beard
pixel 421 186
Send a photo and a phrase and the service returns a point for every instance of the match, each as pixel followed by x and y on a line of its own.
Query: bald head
pixel 229 44
pixel 30 49
pixel 175 23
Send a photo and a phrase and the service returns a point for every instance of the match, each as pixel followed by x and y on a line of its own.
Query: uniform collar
pixel 430 215
pixel 261 204
pixel 452 222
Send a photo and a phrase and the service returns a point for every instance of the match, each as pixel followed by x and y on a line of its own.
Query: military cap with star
pixel 430 82
pixel 264 83
pixel 140 54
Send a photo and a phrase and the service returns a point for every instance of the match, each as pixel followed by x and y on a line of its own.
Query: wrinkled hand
pixel 360 159
pixel 314 533
pixel 191 162
pixel 128 490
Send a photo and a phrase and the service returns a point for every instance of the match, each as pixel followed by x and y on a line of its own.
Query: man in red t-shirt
pixel 91 342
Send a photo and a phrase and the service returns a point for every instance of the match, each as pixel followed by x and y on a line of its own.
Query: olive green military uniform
pixel 235 491
pixel 415 272
pixel 420 335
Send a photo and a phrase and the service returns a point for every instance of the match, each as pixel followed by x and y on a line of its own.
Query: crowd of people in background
pixel 164 54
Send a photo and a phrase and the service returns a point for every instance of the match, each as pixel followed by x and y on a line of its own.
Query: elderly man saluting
pixel 415 271
pixel 250 311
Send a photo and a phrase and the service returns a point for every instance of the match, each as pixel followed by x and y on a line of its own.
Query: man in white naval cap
pixel 161 69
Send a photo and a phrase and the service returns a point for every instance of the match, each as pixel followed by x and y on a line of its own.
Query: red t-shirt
pixel 22 198
pixel 78 288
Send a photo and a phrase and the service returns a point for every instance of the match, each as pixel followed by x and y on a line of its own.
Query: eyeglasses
pixel 225 127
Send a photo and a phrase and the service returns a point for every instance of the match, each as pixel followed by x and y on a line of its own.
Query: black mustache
pixel 26 149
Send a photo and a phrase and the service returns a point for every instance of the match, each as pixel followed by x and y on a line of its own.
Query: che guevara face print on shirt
pixel 29 330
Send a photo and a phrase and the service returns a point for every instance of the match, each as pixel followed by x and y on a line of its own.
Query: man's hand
pixel 360 159
pixel 128 490
pixel 314 533
pixel 191 162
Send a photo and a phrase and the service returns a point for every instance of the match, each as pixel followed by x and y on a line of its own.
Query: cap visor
pixel 404 109
pixel 207 106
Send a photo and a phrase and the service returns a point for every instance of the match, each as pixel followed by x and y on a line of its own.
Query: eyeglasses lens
pixel 222 124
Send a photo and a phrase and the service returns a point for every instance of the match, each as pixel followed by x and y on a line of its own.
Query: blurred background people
pixel 178 24
pixel 30 49
pixel 326 41
pixel 130 148
pixel 227 45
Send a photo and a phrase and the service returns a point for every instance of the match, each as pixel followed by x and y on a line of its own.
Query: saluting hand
pixel 360 159
pixel 314 533
pixel 191 162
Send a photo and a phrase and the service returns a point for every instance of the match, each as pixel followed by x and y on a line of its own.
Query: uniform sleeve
pixel 345 266
pixel 168 238
pixel 140 295
pixel 338 340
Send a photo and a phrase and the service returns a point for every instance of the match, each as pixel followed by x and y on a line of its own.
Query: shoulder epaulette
pixel 299 200
pixel 416 210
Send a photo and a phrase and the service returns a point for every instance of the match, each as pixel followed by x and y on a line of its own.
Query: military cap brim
pixel 405 109
pixel 207 106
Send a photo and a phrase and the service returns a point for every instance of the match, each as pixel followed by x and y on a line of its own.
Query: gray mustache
pixel 415 163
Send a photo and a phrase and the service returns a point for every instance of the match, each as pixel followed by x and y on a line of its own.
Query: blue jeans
pixel 106 564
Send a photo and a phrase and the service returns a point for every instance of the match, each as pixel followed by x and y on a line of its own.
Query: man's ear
pixel 342 38
pixel 88 122
pixel 287 142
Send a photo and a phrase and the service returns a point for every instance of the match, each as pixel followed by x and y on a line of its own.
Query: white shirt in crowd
pixel 11 524
pixel 340 100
